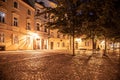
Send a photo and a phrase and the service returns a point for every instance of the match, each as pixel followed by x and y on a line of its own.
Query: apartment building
pixel 22 29
pixel 16 25
pixel 48 39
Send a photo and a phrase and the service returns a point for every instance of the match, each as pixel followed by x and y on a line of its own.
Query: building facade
pixel 21 29
pixel 48 39
pixel 16 25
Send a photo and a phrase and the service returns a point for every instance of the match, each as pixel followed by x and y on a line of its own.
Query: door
pixel 51 45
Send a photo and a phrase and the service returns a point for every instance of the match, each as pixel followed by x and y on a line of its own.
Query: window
pixel 29 12
pixel 63 44
pixel 2 17
pixel 38 27
pixel 45 29
pixel 63 36
pixel 4 0
pixel 58 35
pixel 2 37
pixel 15 5
pixel 15 39
pixel 28 26
pixel 37 11
pixel 58 44
pixel 15 21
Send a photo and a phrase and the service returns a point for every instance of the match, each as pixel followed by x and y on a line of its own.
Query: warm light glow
pixel 78 39
pixel 34 35
pixel 103 42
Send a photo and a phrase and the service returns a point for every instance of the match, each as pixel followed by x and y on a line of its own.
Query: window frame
pixel 15 4
pixel 2 37
pixel 15 21
pixel 2 17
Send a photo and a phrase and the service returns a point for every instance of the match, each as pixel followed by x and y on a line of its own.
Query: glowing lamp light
pixel 78 39
pixel 103 42
pixel 34 35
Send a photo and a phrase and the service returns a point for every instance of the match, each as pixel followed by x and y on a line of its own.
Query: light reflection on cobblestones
pixel 60 67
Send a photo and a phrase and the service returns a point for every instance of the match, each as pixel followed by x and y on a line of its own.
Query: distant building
pixel 48 39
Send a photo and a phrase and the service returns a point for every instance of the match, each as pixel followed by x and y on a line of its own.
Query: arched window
pixel 38 27
pixel 2 17
pixel 15 5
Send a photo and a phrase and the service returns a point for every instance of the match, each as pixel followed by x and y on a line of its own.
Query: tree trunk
pixel 119 48
pixel 93 45
pixel 105 51
pixel 73 44
pixel 113 47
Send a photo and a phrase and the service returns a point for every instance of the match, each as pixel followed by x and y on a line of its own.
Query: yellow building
pixel 40 29
pixel 16 25
pixel 48 39
pixel 21 29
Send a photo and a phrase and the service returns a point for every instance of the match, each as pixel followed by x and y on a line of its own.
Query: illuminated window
pixel 2 37
pixel 15 5
pixel 29 12
pixel 58 44
pixel 15 21
pixel 28 26
pixel 2 17
pixel 15 39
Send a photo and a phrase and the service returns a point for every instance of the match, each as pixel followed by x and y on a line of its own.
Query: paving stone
pixel 58 67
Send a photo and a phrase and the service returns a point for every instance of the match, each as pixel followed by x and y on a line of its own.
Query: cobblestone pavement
pixel 58 67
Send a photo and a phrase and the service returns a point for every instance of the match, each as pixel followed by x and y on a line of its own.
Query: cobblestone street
pixel 58 67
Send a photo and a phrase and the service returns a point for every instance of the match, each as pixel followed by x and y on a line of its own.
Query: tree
pixel 100 16
pixel 92 12
pixel 66 17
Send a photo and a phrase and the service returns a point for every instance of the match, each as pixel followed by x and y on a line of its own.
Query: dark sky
pixel 30 2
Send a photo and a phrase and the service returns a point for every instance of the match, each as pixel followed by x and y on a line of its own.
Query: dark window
pixel 58 35
pixel 28 26
pixel 15 21
pixel 38 27
pixel 63 36
pixel 15 5
pixel 29 12
pixel 4 0
pixel 38 11
pixel 63 44
pixel 45 29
